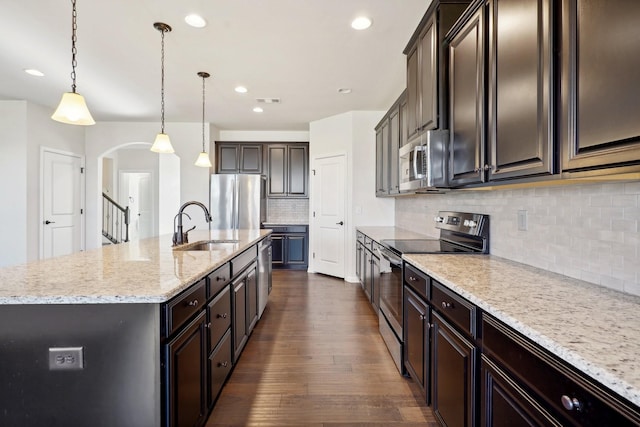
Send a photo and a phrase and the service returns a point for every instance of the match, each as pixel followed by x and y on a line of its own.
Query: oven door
pixel 391 291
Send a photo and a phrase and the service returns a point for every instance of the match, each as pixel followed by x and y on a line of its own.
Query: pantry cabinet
pixel 288 170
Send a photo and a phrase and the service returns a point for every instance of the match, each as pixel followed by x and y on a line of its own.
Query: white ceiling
pixel 301 51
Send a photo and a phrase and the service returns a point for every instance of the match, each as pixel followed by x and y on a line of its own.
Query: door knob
pixel 340 223
pixel 47 222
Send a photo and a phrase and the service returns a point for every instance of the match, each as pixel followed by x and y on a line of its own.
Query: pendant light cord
pixel 74 51
pixel 203 77
pixel 162 82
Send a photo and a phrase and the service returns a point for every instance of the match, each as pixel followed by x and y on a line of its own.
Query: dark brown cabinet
pixel 288 170
pixel 185 365
pixel 416 339
pixel 600 94
pixel 371 273
pixel 466 101
pixel 245 308
pixel 239 158
pixel 454 388
pixel 388 138
pixel 426 65
pixel 290 246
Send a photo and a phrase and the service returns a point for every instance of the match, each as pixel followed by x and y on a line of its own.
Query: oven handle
pixel 389 256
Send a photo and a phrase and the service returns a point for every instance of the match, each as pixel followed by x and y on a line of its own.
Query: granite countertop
pixel 145 271
pixel 594 329
pixel 379 233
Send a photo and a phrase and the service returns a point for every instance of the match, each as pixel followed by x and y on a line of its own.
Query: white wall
pixel 263 136
pixel 353 134
pixel 192 183
pixel 590 232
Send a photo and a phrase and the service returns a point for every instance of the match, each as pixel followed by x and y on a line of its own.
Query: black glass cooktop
pixel 424 246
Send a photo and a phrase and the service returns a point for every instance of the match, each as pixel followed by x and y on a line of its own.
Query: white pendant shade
pixel 73 110
pixel 203 160
pixel 162 144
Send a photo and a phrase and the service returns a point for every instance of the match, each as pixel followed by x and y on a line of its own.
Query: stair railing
pixel 115 220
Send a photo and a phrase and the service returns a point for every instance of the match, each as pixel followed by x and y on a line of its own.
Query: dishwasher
pixel 264 273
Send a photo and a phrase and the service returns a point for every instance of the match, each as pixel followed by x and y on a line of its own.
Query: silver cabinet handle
pixel 193 303
pixel 222 316
pixel 412 279
pixel 570 403
pixel 223 364
pixel 446 305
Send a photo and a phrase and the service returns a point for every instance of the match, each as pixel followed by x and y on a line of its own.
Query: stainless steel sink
pixel 208 245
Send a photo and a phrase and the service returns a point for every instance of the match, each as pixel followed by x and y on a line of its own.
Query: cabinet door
pixel 359 250
pixel 394 146
pixel 219 367
pixel 239 324
pixel 404 127
pixel 375 282
pixel 380 168
pixel 277 155
pixel 252 298
pixel 466 92
pixel 428 77
pixel 413 106
pixel 505 404
pixel 366 285
pixel 520 88
pixel 599 84
pixel 453 390
pixel 186 375
pixel 298 170
pixel 296 249
pixel 251 159
pixel 416 339
pixel 277 247
pixel 228 158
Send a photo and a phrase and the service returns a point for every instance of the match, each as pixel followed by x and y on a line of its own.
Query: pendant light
pixel 72 108
pixel 203 158
pixel 162 144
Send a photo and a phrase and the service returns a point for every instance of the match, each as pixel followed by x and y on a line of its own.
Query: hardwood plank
pixel 316 359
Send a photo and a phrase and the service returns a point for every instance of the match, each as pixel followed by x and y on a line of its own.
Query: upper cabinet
pixel 288 170
pixel 501 100
pixel 426 66
pixel 239 158
pixel 389 136
pixel 600 89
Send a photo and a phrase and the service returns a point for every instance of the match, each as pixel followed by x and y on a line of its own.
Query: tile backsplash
pixel 288 211
pixel 587 231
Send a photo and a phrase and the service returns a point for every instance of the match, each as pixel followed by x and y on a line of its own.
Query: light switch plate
pixel 66 358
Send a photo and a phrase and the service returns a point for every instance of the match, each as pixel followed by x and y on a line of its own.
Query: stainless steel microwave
pixel 424 160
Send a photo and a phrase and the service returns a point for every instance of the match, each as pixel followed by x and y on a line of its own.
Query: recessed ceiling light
pixel 241 89
pixel 361 23
pixel 195 20
pixel 257 110
pixel 344 90
pixel 34 72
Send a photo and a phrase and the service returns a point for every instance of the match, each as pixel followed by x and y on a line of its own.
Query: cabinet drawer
pixel 219 315
pixel 218 279
pixel 219 367
pixel 454 308
pixel 286 228
pixel 185 305
pixel 417 280
pixel 554 381
pixel 244 259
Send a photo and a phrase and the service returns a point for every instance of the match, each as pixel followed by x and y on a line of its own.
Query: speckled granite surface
pixel 595 329
pixel 147 271
pixel 383 233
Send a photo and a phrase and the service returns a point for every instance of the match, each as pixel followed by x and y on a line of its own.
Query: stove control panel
pixel 463 222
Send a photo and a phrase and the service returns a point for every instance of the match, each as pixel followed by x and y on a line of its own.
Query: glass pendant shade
pixel 162 144
pixel 203 160
pixel 73 110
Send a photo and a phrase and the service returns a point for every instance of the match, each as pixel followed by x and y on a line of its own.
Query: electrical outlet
pixel 66 358
pixel 522 220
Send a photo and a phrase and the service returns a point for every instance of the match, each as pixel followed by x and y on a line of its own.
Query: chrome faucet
pixel 180 237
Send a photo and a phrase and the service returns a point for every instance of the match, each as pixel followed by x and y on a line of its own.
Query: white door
pixel 62 204
pixel 136 193
pixel 329 220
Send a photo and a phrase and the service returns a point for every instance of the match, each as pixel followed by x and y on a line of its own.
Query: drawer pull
pixel 422 317
pixel 570 403
pixel 446 305
pixel 222 316
pixel 193 303
pixel 413 279
pixel 223 364
pixel 208 325
pixel 220 279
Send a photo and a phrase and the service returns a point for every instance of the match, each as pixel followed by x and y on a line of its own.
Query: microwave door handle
pixel 415 161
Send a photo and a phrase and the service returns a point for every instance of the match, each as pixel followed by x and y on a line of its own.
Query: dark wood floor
pixel 316 359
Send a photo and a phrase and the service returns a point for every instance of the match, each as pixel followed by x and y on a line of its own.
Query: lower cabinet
pixel 186 377
pixel 245 308
pixel 416 339
pixel 290 247
pixel 219 367
pixel 454 376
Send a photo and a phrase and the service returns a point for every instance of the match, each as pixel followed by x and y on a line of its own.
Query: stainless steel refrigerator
pixel 237 201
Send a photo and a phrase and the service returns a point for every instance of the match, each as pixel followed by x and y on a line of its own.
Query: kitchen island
pixel 111 303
